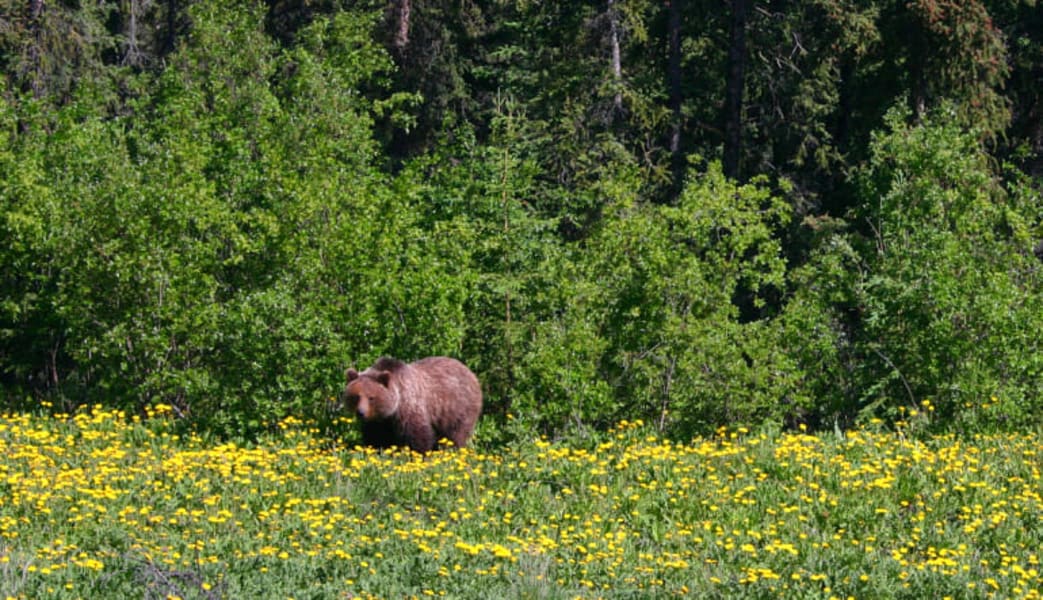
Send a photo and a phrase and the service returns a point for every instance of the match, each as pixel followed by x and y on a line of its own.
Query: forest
pixel 807 213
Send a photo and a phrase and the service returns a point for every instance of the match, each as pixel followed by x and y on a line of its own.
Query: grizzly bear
pixel 414 404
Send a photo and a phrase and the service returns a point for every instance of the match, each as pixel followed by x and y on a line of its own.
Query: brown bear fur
pixel 415 404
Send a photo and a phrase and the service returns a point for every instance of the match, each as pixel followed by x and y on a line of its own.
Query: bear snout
pixel 363 410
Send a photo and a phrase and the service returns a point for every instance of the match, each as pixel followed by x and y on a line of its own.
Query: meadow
pixel 102 505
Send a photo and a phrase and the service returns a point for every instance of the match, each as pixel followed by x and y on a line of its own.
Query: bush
pixel 936 297
pixel 664 288
pixel 224 249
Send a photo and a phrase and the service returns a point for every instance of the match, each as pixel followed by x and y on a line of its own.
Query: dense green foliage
pixel 220 206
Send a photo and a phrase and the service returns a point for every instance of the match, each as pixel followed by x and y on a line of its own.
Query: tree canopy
pixel 812 212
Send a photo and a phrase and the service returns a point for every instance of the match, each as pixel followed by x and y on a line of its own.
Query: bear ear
pixel 351 374
pixel 383 378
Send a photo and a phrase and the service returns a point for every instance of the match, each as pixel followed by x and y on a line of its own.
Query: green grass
pixel 102 506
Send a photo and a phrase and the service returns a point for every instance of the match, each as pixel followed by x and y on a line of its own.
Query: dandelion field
pixel 101 506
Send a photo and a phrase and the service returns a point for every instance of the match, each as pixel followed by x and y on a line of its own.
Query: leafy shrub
pixel 937 296
pixel 664 288
pixel 228 247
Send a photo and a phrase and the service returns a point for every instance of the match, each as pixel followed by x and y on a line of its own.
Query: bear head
pixel 369 396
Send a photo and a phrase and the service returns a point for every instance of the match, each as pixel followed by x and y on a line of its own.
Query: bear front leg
pixel 379 434
pixel 421 438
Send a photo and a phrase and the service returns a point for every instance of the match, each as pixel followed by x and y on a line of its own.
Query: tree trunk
pixel 734 91
pixel 673 76
pixel 36 83
pixel 170 39
pixel 845 104
pixel 402 21
pixel 617 61
pixel 918 74
pixel 132 55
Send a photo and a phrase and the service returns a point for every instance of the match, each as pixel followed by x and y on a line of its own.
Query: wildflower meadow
pixel 102 505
